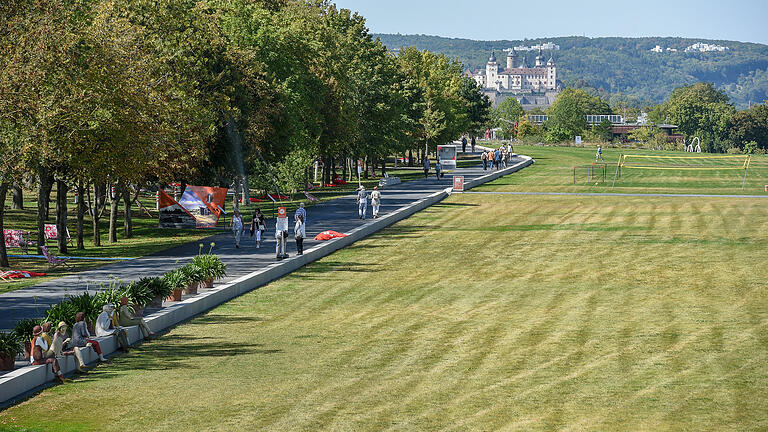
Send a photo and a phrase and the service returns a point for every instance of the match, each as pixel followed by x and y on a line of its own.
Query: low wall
pixel 21 382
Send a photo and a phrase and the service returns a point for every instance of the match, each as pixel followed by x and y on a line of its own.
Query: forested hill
pixel 625 68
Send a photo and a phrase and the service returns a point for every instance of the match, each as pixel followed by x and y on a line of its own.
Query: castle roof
pixel 493 58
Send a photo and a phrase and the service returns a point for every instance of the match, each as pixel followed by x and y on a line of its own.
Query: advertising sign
pixel 458 183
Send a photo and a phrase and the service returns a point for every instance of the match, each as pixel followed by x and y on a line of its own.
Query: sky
pixel 740 20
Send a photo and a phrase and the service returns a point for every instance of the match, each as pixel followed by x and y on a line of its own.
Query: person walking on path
pixel 299 233
pixel 497 155
pixel 473 143
pixel 257 226
pixel 425 162
pixel 301 211
pixel 237 226
pixel 463 143
pixel 438 169
pixel 281 238
pixel 362 202
pixel 599 154
pixel 490 159
pixel 484 158
pixel 375 201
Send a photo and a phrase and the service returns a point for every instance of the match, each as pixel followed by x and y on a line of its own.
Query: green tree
pixel 750 125
pixel 505 115
pixel 604 130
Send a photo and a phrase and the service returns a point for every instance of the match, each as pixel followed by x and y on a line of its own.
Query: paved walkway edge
pixel 24 381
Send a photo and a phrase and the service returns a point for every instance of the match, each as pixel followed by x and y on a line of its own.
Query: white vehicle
pixel 446 154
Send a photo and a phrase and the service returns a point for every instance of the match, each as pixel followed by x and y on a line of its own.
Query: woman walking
pixel 299 233
pixel 375 201
pixel 257 226
pixel 237 226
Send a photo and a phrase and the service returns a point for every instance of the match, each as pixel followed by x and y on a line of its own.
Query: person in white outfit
pixel 362 202
pixel 237 226
pixel 375 201
pixel 299 233
pixel 281 237
pixel 106 325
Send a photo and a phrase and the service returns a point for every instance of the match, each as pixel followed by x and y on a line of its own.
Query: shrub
pixel 90 305
pixel 192 273
pixel 10 344
pixel 139 292
pixel 64 311
pixel 23 328
pixel 158 286
pixel 210 265
pixel 176 279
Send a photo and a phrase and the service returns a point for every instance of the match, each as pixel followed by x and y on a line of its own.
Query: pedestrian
pixel 490 158
pixel 257 226
pixel 425 162
pixel 362 202
pixel 375 201
pixel 438 169
pixel 484 158
pixel 299 233
pixel 237 226
pixel 473 143
pixel 281 238
pixel 300 212
pixel 497 155
pixel 463 143
pixel 599 154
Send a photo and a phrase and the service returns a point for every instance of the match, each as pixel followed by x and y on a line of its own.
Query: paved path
pixel 339 215
pixel 617 194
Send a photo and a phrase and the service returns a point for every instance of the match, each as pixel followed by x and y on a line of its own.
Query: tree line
pixel 108 96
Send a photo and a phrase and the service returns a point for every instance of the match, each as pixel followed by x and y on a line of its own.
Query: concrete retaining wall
pixel 21 382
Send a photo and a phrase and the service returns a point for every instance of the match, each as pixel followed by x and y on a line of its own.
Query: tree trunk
pixel 80 214
pixel 236 193
pixel 410 157
pixel 384 165
pixel 114 204
pixel 95 215
pixel 345 170
pixel 18 197
pixel 365 168
pixel 128 219
pixel 3 252
pixel 43 197
pixel 333 169
pixel 61 215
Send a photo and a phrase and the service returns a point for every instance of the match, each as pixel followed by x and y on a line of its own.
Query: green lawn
pixel 480 313
pixel 555 166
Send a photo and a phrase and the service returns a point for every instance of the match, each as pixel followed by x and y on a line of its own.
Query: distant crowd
pixel 498 158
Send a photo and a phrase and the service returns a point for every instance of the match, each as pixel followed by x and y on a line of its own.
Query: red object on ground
pixel 256 200
pixel 327 235
pixel 19 274
pixel 330 185
pixel 339 181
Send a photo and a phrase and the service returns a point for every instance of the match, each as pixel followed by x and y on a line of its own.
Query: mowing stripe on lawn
pixel 617 194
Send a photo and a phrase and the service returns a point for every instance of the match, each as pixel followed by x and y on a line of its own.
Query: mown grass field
pixel 481 313
pixel 555 166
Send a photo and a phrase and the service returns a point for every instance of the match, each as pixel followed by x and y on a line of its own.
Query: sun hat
pixel 37 330
pixel 61 324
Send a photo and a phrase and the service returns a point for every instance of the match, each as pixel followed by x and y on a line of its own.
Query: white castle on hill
pixel 532 86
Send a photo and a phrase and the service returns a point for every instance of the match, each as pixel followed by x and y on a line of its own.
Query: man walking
pixel 473 143
pixel 375 201
pixel 484 158
pixel 463 143
pixel 599 154
pixel 362 202
pixel 426 166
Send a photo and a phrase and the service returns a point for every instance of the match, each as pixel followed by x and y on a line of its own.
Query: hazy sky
pixel 741 20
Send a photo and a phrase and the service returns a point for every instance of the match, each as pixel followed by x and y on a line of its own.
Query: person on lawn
pixel 599 154
pixel 129 318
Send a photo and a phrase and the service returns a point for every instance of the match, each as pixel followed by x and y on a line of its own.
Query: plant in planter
pixel 23 330
pixel 10 345
pixel 176 281
pixel 140 294
pixel 63 311
pixel 212 268
pixel 194 277
pixel 159 289
pixel 90 305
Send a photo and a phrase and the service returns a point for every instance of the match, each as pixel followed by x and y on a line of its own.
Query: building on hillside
pixel 533 86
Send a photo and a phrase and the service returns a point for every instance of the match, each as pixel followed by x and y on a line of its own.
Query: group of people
pixel 46 349
pixel 497 158
pixel 438 168
pixel 362 202
pixel 258 227
pixel 464 144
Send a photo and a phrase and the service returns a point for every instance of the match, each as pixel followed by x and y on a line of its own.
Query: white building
pixel 517 76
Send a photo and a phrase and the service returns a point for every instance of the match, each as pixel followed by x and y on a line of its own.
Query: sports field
pixel 484 312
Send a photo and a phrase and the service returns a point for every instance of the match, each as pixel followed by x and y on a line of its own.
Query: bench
pixel 17 239
pixel 52 233
pixel 389 180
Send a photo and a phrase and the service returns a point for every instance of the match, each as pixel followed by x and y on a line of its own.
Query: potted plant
pixel 90 305
pixel 159 289
pixel 64 311
pixel 194 276
pixel 10 345
pixel 212 268
pixel 176 281
pixel 140 294
pixel 23 330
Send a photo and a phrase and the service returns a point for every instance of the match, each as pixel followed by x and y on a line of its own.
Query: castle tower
pixel 512 59
pixel 539 59
pixel 492 72
pixel 551 74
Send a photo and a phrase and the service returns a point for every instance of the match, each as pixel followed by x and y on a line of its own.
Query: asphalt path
pixel 339 215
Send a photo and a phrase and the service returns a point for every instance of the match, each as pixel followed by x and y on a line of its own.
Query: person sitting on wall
pixel 129 318
pixel 46 335
pixel 60 345
pixel 81 337
pixel 40 346
pixel 106 325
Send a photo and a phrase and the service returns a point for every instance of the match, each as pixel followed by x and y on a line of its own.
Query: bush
pixel 64 311
pixel 10 344
pixel 734 150
pixel 157 286
pixel 139 292
pixel 23 328
pixel 210 265
pixel 176 279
